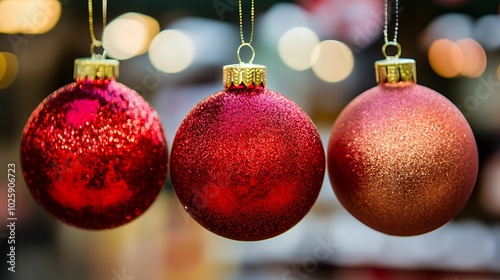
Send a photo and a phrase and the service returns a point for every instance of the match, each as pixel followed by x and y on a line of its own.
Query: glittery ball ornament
pixel 247 163
pixel 402 158
pixel 94 153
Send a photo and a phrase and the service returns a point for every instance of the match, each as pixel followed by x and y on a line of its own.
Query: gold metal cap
pixel 244 73
pixel 394 70
pixel 96 67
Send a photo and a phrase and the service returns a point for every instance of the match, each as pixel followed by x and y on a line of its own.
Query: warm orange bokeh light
pixel 446 58
pixel 29 16
pixel 474 58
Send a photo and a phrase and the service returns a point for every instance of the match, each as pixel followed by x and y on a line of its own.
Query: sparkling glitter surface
pixel 94 155
pixel 402 159
pixel 247 164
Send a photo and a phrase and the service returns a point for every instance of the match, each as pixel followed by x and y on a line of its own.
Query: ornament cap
pixel 96 67
pixel 394 69
pixel 244 73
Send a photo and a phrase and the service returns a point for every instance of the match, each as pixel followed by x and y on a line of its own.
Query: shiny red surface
pixel 402 159
pixel 247 163
pixel 94 155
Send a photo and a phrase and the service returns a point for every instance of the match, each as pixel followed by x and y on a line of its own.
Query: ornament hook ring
pixel 97 44
pixel 394 44
pixel 251 48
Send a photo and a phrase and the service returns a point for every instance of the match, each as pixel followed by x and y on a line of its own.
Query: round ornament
pixel 247 163
pixel 402 158
pixel 94 153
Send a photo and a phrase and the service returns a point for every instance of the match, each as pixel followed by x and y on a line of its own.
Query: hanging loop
pixel 251 49
pixel 97 44
pixel 392 44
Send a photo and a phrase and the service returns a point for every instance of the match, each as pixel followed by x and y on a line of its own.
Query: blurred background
pixel 319 53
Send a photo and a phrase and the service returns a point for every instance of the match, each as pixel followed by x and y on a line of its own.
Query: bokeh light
pixel 206 36
pixel 272 26
pixel 449 59
pixel 449 26
pixel 487 32
pixel 9 67
pixel 358 23
pixel 446 58
pixel 295 47
pixel 332 61
pixel 129 35
pixel 124 38
pixel 172 51
pixel 28 16
pixel 474 58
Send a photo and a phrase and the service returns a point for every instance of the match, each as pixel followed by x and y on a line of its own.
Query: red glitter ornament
pixel 94 153
pixel 247 163
pixel 402 158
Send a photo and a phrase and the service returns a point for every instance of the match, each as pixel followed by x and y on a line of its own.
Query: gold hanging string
pixel 242 36
pixel 386 22
pixel 394 41
pixel 252 22
pixel 96 43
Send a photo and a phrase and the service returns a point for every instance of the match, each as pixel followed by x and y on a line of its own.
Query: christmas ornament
pixel 94 153
pixel 247 163
pixel 402 159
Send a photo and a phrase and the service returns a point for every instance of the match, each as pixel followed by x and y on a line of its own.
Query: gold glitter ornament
pixel 401 157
